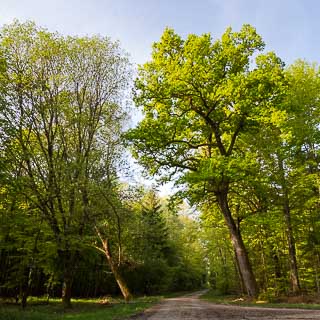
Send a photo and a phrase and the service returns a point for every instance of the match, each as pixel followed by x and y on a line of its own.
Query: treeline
pixel 68 226
pixel 239 132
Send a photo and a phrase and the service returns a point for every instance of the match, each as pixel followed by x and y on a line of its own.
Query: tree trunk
pixel 114 268
pixel 317 264
pixel 291 246
pixel 238 245
pixel 66 257
pixel 237 269
pixel 66 290
pixel 120 281
pixel 277 267
pixel 24 287
pixel 294 277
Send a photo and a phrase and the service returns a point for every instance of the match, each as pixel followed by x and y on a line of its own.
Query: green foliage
pixel 164 249
pixel 237 132
pixel 198 96
pixel 154 232
pixel 222 270
pixel 63 119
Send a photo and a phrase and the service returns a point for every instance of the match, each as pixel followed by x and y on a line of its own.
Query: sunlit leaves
pixel 199 96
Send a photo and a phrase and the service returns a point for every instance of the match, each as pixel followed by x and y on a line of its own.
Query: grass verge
pixel 82 309
pixel 216 297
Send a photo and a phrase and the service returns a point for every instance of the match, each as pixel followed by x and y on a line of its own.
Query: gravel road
pixel 190 307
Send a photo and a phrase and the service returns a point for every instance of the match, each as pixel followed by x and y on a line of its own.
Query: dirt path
pixel 190 307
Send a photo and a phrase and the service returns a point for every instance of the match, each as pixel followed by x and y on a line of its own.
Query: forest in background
pixel 233 127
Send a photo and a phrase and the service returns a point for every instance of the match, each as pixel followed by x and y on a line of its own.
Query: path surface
pixel 190 307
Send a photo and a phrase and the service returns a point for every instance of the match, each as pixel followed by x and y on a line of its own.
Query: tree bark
pixel 317 264
pixel 238 245
pixel 120 281
pixel 24 287
pixel 237 269
pixel 114 268
pixel 294 276
pixel 66 257
pixel 66 290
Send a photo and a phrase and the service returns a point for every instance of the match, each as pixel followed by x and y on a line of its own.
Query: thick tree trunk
pixel 238 245
pixel 236 265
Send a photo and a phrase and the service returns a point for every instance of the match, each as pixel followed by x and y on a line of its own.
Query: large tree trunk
pixel 237 269
pixel 238 245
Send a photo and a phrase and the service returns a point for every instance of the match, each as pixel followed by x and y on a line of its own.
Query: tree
pixel 110 233
pixel 154 229
pixel 154 250
pixel 161 249
pixel 189 263
pixel 200 98
pixel 288 151
pixel 300 170
pixel 63 105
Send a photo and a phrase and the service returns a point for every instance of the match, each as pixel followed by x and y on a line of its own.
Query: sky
pixel 291 28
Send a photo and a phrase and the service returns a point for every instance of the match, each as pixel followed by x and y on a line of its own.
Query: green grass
pixel 214 296
pixel 81 309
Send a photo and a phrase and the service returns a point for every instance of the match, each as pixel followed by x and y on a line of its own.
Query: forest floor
pixel 82 309
pixel 177 306
pixel 190 307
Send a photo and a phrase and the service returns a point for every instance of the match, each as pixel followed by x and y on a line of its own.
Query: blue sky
pixel 290 28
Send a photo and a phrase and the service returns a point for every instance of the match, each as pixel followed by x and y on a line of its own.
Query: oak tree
pixel 200 98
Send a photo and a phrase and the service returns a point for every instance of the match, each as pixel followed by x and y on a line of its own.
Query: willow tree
pixel 199 98
pixel 62 99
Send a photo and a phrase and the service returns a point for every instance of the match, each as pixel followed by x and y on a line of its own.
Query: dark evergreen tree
pixel 154 229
